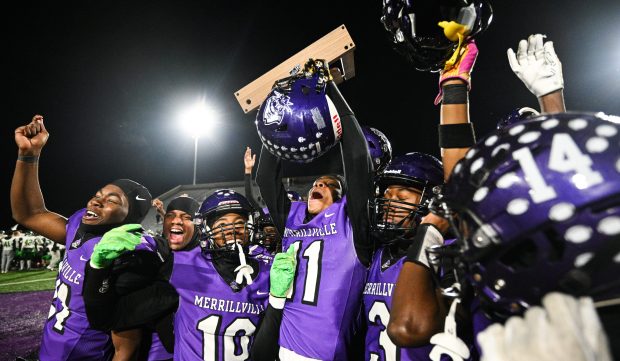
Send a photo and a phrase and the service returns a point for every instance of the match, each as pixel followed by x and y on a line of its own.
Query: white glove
pixel 448 343
pixel 566 329
pixel 537 65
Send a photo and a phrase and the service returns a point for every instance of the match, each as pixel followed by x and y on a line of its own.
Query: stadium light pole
pixel 197 120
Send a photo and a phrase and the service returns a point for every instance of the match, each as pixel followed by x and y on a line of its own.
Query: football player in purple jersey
pixel 456 136
pixel 413 320
pixel 181 233
pixel 536 209
pixel 216 291
pixel 329 234
pixel 405 189
pixel 67 334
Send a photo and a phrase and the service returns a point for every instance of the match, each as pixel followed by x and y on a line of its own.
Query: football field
pixel 22 281
pixel 25 298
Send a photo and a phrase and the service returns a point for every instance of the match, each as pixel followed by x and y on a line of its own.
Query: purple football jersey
pixel 67 334
pixel 326 297
pixel 377 304
pixel 213 322
pixel 157 351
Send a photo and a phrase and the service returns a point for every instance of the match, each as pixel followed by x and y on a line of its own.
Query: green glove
pixel 282 273
pixel 114 243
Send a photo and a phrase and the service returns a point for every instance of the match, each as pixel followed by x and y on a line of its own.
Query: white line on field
pixel 17 283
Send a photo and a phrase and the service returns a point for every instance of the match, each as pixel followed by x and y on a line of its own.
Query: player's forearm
pixel 416 313
pixel 249 192
pixel 126 344
pixel 552 102
pixel 26 196
pixel 454 113
pixel 28 205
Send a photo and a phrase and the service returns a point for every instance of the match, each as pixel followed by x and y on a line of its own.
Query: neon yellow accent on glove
pixel 114 243
pixel 282 273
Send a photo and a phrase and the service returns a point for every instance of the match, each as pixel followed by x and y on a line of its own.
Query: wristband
pixel 28 158
pixel 455 94
pixel 427 235
pixel 456 135
pixel 277 302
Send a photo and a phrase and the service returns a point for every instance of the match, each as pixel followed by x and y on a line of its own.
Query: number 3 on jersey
pixel 63 295
pixel 380 315
pixel 312 255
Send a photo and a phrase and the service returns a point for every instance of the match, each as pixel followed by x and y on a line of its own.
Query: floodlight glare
pixel 197 121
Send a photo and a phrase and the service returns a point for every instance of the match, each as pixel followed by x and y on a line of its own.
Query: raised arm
pixel 456 133
pixel 249 160
pixel 540 70
pixel 358 173
pixel 27 202
pixel 269 180
pixel 418 308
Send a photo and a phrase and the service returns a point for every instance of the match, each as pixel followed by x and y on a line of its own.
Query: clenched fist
pixel 31 138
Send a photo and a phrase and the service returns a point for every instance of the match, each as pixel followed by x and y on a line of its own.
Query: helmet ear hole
pixel 521 256
pixel 305 90
pixel 557 245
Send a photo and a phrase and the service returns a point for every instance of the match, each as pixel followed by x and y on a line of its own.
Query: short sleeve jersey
pixel 213 322
pixel 325 301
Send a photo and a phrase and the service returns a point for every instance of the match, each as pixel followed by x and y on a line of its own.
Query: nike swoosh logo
pixel 83 259
pixel 327 215
pixel 140 199
pixel 261 293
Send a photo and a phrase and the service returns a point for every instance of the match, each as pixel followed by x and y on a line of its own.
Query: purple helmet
pixel 517 115
pixel 379 148
pixel 416 170
pixel 413 27
pixel 217 204
pixel 298 121
pixel 536 206
pixel 294 196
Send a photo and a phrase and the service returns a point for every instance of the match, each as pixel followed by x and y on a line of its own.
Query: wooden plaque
pixel 336 48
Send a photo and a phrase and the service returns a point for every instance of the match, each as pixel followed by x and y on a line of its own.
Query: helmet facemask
pixel 225 236
pixel 393 219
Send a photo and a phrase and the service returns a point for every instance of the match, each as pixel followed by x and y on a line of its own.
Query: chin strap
pixel 244 271
pixel 447 342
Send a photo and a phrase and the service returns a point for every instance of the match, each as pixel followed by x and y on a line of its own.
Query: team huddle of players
pixel 498 251
pixel 26 251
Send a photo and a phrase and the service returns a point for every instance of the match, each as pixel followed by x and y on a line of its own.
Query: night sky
pixel 110 78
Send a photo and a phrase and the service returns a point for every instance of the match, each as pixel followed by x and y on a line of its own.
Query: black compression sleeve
pixel 269 180
pixel 98 297
pixel 266 341
pixel 358 174
pixel 249 192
